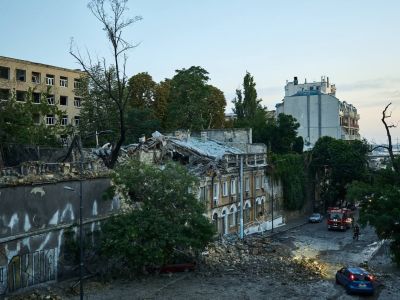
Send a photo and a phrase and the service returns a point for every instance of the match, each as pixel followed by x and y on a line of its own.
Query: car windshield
pixel 335 216
pixel 315 215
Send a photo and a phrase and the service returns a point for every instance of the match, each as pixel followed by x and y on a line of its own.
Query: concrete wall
pixel 33 220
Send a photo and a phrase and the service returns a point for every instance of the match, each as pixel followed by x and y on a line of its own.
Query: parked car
pixel 315 218
pixel 356 280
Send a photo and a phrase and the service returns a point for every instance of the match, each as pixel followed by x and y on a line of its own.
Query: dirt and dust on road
pixel 298 264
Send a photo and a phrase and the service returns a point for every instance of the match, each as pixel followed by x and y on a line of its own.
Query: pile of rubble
pixel 259 256
pixel 37 295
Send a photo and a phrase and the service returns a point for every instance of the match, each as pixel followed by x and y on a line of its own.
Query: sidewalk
pixel 300 221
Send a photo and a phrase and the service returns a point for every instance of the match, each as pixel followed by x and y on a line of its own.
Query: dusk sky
pixel 355 43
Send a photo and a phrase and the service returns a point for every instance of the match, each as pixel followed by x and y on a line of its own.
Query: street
pixel 298 263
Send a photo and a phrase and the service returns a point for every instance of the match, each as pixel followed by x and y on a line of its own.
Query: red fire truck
pixel 339 218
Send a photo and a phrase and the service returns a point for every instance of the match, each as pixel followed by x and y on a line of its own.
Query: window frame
pixel 64 81
pixel 37 75
pixel 6 69
pixel 17 77
pixel 52 118
pixel 77 100
pixel 233 186
pixel 50 79
pixel 49 101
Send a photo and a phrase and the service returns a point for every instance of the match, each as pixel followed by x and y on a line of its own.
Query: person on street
pixel 356 232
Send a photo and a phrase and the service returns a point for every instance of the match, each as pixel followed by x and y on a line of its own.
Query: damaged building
pixel 214 157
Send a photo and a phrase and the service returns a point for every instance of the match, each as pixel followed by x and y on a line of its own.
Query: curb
pixel 270 234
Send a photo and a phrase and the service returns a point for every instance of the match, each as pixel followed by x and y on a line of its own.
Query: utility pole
pixel 81 217
pixel 241 197
pixel 272 204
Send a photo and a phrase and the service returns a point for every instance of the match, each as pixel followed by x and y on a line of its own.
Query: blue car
pixel 356 280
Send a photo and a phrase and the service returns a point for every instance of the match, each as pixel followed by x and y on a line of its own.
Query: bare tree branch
pixel 111 80
pixel 390 146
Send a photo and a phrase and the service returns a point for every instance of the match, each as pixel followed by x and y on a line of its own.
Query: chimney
pixel 295 81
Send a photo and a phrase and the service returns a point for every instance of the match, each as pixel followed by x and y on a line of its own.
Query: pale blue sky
pixel 355 43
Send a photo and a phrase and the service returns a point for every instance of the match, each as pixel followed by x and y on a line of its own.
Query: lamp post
pixel 80 217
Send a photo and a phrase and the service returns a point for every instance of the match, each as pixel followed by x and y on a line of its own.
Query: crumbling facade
pixel 214 157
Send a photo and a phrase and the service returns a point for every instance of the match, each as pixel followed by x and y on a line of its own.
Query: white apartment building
pixel 318 111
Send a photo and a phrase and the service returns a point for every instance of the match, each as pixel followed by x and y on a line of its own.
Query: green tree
pixel 337 163
pixel 379 196
pixel 142 89
pixel 167 218
pixel 215 108
pixel 248 110
pixel 161 101
pixel 193 104
pixel 283 135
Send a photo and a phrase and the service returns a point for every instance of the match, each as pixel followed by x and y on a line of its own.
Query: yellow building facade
pixel 21 78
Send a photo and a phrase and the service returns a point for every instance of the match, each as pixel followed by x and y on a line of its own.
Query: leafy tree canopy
pixel 168 218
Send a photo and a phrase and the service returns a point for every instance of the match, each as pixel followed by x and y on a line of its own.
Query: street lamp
pixel 68 188
pixel 80 236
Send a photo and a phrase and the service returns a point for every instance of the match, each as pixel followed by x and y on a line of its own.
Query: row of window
pixel 36 77
pixel 22 96
pixel 51 120
pixel 225 192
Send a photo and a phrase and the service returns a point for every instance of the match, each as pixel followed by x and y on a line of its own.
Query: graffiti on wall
pixel 28 269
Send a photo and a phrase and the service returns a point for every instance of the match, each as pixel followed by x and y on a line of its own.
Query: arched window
pixel 246 213
pixel 215 221
pixel 232 217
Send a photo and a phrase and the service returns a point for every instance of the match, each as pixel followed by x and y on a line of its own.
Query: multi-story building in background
pixel 21 78
pixel 319 112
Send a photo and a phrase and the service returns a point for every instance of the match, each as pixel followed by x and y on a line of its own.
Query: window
pixel 77 102
pixel 225 188
pixel 77 120
pixel 233 186
pixel 1 275
pixel 36 77
pixel 216 192
pixel 258 182
pixel 36 98
pixel 50 99
pixel 21 96
pixel 247 184
pixel 77 83
pixel 36 119
pixel 232 217
pixel 4 94
pixel 203 193
pixel 20 75
pixel 63 100
pixel 4 73
pixel 63 81
pixel 50 120
pixel 49 79
pixel 64 120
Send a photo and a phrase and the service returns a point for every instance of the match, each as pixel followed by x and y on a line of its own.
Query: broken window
pixel 77 83
pixel 49 79
pixel 36 77
pixel 77 102
pixel 63 81
pixel 4 94
pixel 63 100
pixel 21 95
pixel 36 98
pixel 4 73
pixel 50 100
pixel 233 186
pixel 247 184
pixel 50 120
pixel 77 120
pixel 232 217
pixel 36 119
pixel 225 189
pixel 20 74
pixel 64 120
